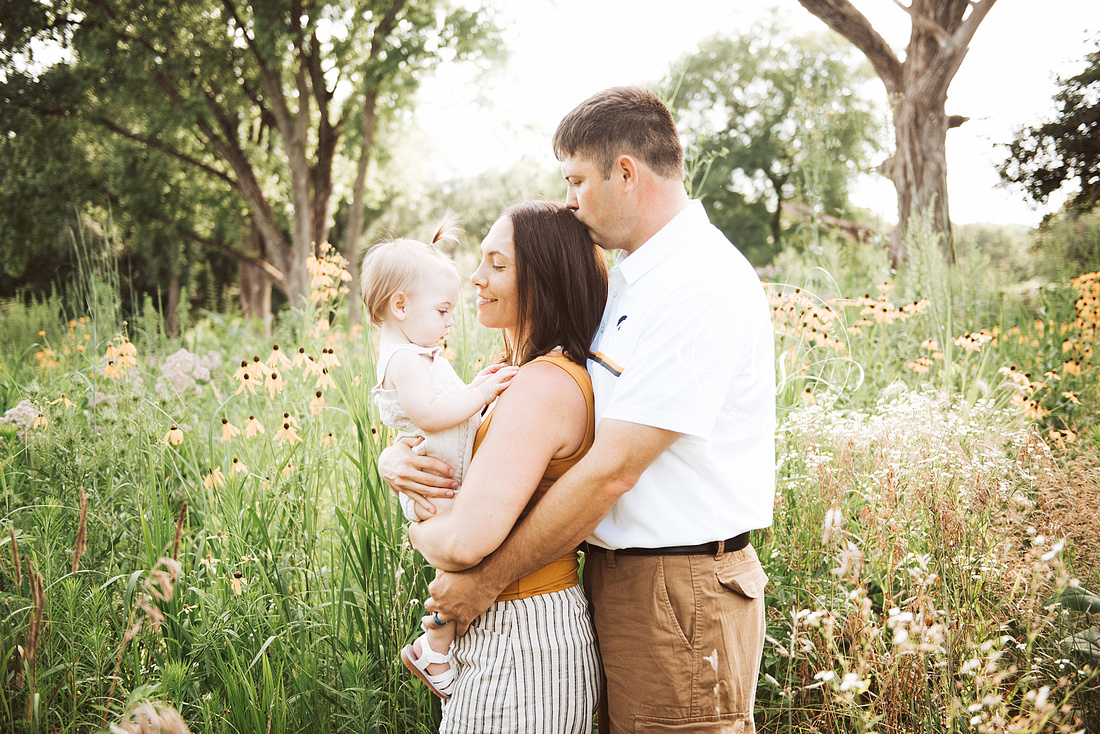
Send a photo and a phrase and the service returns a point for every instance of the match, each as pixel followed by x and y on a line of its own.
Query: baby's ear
pixel 398 303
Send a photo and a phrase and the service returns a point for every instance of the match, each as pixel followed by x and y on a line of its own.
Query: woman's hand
pixel 417 477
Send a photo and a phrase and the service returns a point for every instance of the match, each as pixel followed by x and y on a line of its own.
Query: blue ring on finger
pixel 438 621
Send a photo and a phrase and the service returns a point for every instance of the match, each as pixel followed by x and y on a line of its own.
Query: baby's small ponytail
pixel 447 230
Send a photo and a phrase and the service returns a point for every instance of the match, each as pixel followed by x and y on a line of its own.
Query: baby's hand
pixel 492 380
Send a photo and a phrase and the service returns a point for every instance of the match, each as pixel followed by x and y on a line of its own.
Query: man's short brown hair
pixel 622 121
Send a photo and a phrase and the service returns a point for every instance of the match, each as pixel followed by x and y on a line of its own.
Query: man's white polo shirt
pixel 686 344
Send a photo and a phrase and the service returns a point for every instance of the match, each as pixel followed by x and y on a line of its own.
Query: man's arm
pixel 565 516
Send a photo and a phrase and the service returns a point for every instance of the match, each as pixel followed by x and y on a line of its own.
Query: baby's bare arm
pixel 411 377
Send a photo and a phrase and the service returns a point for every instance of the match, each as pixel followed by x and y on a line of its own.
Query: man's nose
pixel 571 200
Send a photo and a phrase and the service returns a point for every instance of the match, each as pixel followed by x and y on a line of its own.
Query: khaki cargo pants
pixel 680 638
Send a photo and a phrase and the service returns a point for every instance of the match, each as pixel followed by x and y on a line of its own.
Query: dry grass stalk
pixel 131 632
pixel 81 533
pixel 179 532
pixel 15 557
pixel 34 631
pixel 160 585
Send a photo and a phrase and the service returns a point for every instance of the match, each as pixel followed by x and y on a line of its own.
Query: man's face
pixel 599 203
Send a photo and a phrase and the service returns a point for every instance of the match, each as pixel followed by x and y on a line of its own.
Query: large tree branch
pixel 269 77
pixel 164 147
pixel 385 27
pixel 842 17
pixel 211 244
pixel 926 24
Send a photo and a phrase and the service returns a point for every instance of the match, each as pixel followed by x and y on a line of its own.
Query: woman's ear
pixel 399 303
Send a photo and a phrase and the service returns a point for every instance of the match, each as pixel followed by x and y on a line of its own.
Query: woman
pixel 529 663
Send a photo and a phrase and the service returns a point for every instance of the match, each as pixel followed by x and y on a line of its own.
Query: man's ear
pixel 626 170
pixel 399 303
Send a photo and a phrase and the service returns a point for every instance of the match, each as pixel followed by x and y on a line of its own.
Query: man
pixel 683 462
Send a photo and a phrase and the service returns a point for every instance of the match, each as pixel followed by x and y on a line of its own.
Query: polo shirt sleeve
pixel 680 371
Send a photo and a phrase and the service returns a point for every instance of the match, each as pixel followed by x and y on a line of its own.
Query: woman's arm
pixel 410 374
pixel 543 414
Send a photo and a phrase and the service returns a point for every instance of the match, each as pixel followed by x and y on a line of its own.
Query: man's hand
pixel 461 596
pixel 417 477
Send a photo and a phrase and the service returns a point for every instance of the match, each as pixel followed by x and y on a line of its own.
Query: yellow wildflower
pixel 68 403
pixel 317 403
pixel 113 369
pixel 328 439
pixel 237 582
pixel 127 353
pixel 253 427
pixel 920 365
pixel 238 467
pixel 40 421
pixel 228 430
pixel 288 470
pixel 174 436
pixel 287 433
pixel 287 417
pixel 299 358
pixel 210 562
pixel 1071 367
pixel 1072 397
pixel 275 383
pixel 277 358
pixel 257 369
pixel 247 382
pixel 328 357
pixel 214 479
pixel 313 367
pixel 325 380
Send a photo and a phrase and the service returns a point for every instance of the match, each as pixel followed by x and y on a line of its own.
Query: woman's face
pixel 495 279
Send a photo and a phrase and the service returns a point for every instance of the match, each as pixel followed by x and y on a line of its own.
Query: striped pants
pixel 528 665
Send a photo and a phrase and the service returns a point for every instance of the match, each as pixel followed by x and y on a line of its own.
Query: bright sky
pixel 564 50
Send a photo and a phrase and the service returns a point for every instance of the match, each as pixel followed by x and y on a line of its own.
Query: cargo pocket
pixel 744 577
pixel 724 724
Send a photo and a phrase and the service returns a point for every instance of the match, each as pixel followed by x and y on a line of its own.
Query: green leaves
pixel 1044 158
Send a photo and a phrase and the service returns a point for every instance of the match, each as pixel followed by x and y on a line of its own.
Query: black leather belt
pixel 703 549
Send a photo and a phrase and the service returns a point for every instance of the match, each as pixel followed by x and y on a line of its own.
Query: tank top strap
pixel 385 354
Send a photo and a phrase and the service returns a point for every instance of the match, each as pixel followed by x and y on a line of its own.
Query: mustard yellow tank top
pixel 562 573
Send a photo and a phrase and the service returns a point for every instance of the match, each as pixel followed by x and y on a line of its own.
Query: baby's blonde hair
pixel 404 265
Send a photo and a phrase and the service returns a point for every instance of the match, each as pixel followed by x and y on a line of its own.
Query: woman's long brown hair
pixel 561 279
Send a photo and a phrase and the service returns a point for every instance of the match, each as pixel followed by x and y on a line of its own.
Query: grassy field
pixel 198 523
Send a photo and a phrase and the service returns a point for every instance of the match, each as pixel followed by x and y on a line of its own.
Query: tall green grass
pixel 919 572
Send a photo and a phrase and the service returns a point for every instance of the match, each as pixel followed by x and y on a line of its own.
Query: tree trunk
pixel 917 88
pixel 355 217
pixel 254 283
pixel 172 308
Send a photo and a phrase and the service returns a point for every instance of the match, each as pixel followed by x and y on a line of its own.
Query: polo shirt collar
pixel 659 246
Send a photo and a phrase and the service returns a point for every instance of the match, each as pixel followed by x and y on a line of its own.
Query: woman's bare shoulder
pixel 544 376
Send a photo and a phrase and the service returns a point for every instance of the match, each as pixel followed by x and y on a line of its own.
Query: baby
pixel 410 290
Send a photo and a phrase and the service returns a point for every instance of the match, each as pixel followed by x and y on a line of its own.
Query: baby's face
pixel 429 314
